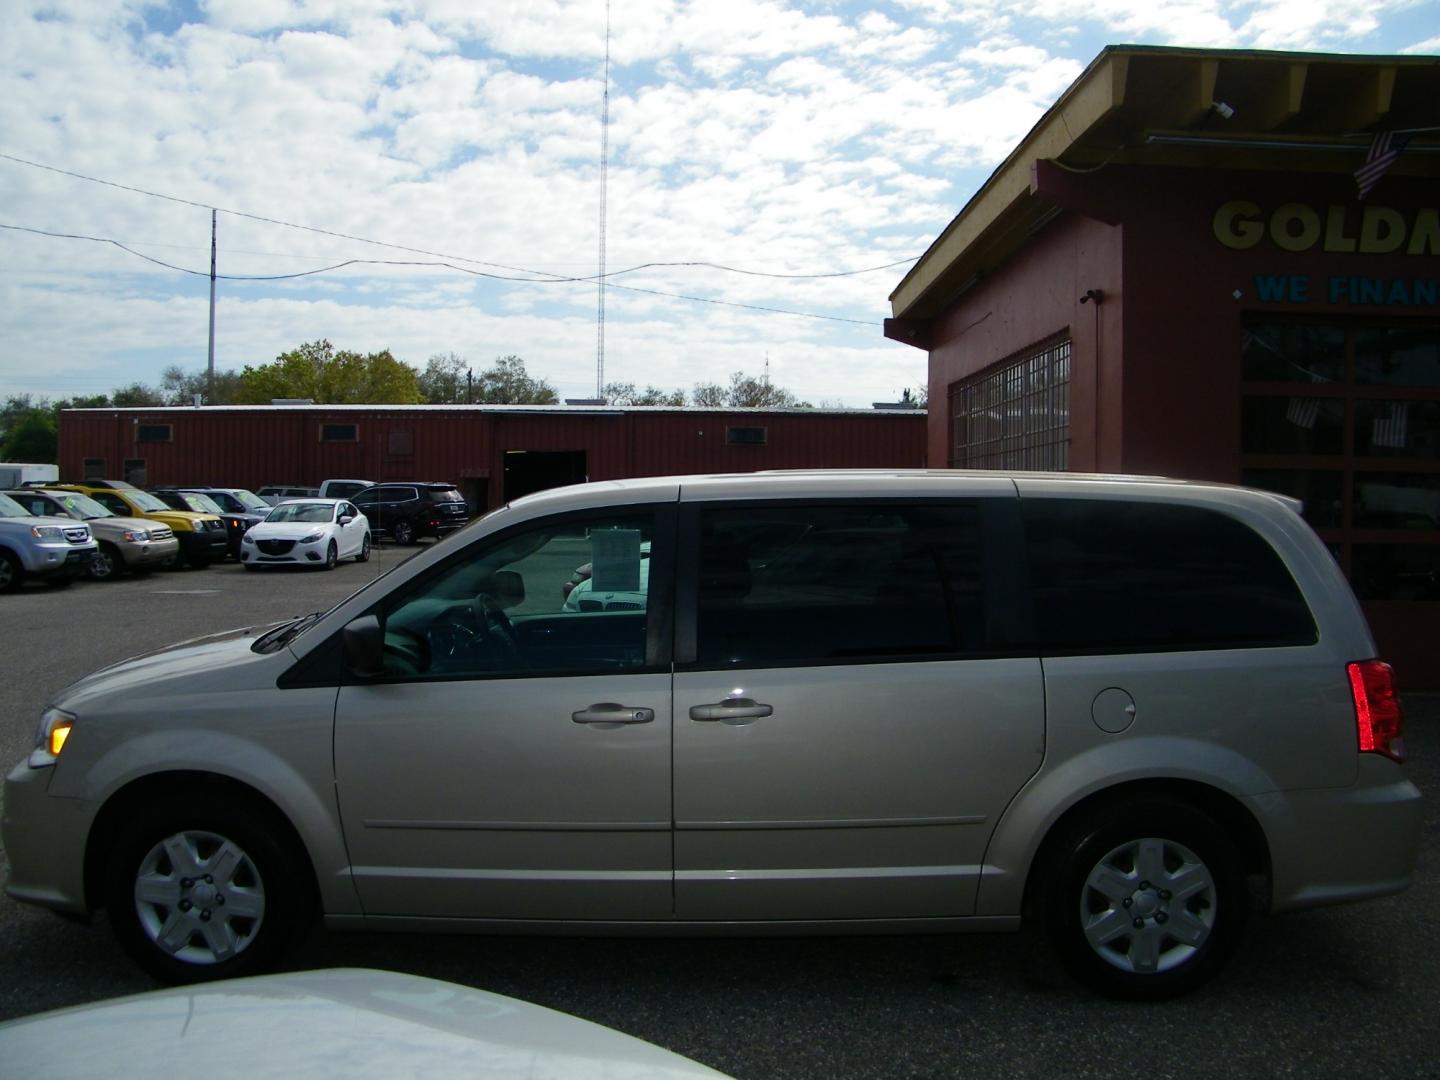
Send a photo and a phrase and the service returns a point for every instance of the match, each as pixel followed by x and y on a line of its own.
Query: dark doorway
pixel 536 470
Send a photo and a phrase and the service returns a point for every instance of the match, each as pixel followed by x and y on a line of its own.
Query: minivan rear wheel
pixel 1145 900
pixel 204 889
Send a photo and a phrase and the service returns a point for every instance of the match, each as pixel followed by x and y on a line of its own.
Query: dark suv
pixel 405 512
pixel 200 503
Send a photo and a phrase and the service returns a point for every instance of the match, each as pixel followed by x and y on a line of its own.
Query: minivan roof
pixel 820 482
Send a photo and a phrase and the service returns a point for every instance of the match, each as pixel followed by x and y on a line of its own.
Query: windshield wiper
pixel 282 635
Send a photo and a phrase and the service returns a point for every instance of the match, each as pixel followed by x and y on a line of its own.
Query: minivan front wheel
pixel 1146 901
pixel 203 893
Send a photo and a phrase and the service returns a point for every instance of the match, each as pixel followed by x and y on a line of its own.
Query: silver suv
pixel 928 701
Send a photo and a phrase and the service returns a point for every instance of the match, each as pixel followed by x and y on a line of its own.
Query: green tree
pixel 179 387
pixel 746 392
pixel 15 409
pixel 445 380
pixel 136 395
pixel 90 401
pixel 627 394
pixel 33 438
pixel 508 383
pixel 317 371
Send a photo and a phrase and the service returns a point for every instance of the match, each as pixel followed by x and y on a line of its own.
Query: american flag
pixel 1385 147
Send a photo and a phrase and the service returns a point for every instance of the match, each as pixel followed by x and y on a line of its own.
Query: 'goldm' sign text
pixel 1368 230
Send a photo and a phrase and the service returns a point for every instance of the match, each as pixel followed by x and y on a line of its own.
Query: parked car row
pixel 102 528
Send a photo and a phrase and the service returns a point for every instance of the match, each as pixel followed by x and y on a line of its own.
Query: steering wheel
pixel 494 625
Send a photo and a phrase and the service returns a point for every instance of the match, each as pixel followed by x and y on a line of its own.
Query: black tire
pixel 403 533
pixel 12 574
pixel 1128 936
pixel 107 563
pixel 199 561
pixel 364 555
pixel 332 557
pixel 258 872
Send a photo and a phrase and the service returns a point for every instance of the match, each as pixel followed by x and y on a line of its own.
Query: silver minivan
pixel 1117 709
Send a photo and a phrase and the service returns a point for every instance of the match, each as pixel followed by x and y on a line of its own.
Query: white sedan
pixel 307 532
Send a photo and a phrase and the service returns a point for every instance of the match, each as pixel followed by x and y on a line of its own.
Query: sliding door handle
pixel 731 709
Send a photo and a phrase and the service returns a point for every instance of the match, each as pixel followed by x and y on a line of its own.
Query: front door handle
pixel 607 712
pixel 742 708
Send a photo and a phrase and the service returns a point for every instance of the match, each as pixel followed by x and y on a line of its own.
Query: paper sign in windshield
pixel 615 560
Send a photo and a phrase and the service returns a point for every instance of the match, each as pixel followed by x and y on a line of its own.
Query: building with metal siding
pixel 493 452
pixel 1175 272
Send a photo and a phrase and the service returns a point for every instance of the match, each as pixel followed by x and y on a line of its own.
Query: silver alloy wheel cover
pixel 102 565
pixel 199 897
pixel 1148 905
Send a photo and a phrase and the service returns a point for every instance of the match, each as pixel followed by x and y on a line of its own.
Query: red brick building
pixel 494 453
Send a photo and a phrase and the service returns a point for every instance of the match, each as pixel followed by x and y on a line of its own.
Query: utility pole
pixel 604 188
pixel 210 367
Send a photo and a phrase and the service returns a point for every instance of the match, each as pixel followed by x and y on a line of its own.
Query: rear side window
pixel 1142 577
pixel 443 495
pixel 837 584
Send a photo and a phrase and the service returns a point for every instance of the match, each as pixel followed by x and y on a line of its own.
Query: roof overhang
pixel 1188 108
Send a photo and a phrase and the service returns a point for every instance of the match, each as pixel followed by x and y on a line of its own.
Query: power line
pixel 538 275
pixel 444 265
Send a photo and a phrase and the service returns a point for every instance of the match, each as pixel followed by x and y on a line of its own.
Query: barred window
pixel 1016 416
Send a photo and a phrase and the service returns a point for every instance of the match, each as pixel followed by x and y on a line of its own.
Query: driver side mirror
pixel 363 645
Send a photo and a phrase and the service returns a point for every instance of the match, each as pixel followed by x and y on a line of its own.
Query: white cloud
pixel 772 135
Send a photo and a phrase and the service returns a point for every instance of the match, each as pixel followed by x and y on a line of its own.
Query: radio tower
pixel 604 188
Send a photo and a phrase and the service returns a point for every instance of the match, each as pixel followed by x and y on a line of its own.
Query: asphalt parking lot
pixel 1340 992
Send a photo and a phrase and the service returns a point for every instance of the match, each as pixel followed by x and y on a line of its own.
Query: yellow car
pixel 202 537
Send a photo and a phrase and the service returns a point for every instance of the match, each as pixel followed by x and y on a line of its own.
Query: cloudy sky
pixel 448 152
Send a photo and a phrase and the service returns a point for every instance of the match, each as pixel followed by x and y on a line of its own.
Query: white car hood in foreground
pixel 341 1023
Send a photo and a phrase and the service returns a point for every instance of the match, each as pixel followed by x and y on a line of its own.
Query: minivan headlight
pixel 50 737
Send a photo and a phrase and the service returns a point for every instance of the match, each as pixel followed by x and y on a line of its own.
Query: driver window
pixel 567 596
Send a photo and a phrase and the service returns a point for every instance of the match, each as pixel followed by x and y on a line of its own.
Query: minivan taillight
pixel 1379 720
